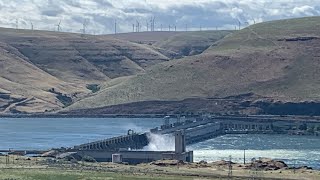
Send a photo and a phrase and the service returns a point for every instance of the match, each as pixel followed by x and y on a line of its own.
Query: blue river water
pixel 45 133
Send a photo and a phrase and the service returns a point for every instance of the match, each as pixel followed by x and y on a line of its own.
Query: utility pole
pixel 7 159
pixel 244 156
pixel 230 168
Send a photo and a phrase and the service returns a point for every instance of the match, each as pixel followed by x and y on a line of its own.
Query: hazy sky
pixel 100 14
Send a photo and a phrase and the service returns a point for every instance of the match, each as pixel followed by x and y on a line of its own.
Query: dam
pixel 186 132
pixel 130 145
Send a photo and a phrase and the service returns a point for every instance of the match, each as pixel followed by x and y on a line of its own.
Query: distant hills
pixel 270 67
pixel 44 71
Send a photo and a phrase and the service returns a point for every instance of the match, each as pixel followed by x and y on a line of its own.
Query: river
pixel 45 133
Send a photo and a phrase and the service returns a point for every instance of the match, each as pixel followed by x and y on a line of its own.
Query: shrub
pixel 88 159
pixel 93 87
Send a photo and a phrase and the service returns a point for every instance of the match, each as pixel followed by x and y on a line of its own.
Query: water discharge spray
pixel 159 142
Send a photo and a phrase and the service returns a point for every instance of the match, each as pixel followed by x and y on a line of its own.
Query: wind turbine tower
pixel 152 23
pixel 17 23
pixel 138 26
pixel 59 26
pixel 31 26
pixel 147 26
pixel 115 26
pixel 84 26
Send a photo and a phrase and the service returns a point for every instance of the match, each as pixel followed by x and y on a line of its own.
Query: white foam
pixel 160 143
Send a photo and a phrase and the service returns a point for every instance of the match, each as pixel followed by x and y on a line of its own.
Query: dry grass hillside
pixel 189 43
pixel 175 44
pixel 44 71
pixel 277 60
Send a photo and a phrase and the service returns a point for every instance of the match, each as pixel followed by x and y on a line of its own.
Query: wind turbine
pixel 239 24
pixel 147 25
pixel 138 26
pixel 152 23
pixel 84 26
pixel 59 26
pixel 31 26
pixel 17 23
pixel 115 26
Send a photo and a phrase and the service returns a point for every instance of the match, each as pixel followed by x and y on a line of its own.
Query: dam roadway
pixel 200 129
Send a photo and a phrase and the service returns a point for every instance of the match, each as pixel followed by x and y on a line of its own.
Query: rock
pixel 305 167
pixel 167 163
pixel 203 162
pixel 51 153
pixel 222 163
pixel 268 164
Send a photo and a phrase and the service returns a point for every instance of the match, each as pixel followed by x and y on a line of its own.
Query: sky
pixel 99 16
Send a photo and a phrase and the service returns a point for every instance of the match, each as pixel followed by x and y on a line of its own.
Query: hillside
pixel 43 71
pixel 271 61
pixel 46 71
pixel 189 43
pixel 175 44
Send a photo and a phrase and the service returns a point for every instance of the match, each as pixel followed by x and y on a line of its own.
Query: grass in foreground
pixel 51 174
